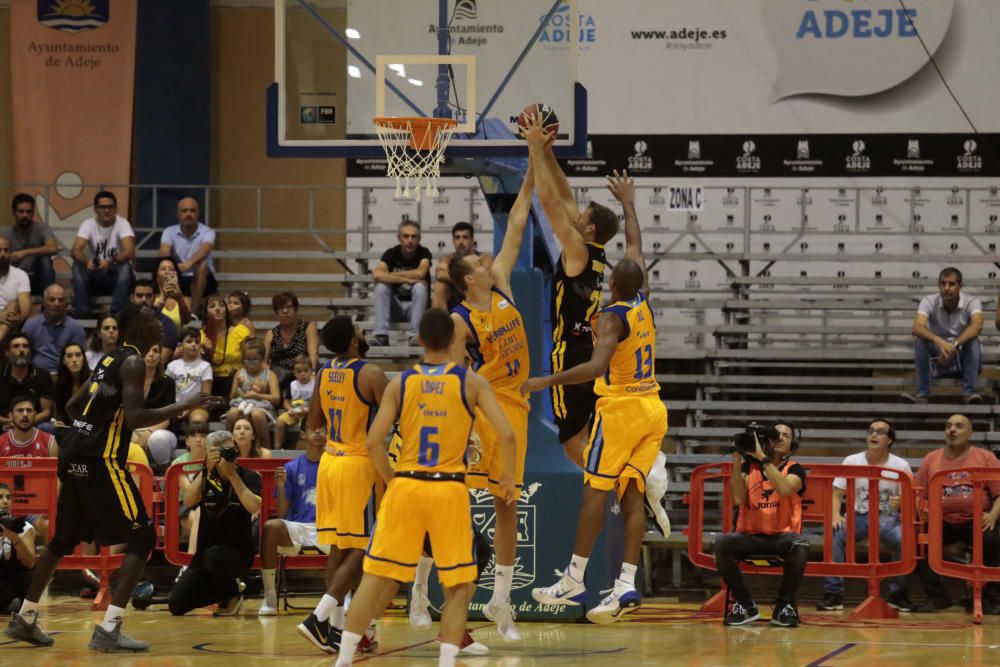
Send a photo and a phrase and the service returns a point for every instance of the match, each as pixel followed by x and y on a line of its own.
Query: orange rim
pixel 423 131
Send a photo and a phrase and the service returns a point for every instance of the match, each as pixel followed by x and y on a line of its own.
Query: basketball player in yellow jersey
pixel 629 425
pixel 345 397
pixel 435 403
pixel 489 328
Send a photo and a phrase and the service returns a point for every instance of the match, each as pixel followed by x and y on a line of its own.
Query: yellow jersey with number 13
pixel 631 371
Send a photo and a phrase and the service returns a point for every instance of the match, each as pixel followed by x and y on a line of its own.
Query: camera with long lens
pixel 744 442
pixel 229 454
pixel 14 524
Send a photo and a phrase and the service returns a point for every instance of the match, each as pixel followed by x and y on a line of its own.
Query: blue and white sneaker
pixel 614 606
pixel 566 591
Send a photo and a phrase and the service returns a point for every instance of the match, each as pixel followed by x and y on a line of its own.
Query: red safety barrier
pixel 268 508
pixel 817 507
pixel 34 486
pixel 975 572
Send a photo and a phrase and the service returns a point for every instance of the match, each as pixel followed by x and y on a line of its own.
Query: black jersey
pixel 99 431
pixel 575 300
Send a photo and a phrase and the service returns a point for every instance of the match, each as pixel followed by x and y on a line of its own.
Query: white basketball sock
pixel 348 645
pixel 325 607
pixel 577 567
pixel 423 572
pixel 626 580
pixel 448 654
pixel 504 577
pixel 337 617
pixel 269 576
pixel 112 617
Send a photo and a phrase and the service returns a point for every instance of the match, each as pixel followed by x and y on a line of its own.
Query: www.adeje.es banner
pixel 72 77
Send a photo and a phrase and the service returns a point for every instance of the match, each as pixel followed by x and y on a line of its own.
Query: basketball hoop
pixel 414 148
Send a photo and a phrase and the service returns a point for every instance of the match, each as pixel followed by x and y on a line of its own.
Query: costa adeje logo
pixel 749 161
pixel 969 160
pixel 639 161
pixel 559 32
pixel 858 161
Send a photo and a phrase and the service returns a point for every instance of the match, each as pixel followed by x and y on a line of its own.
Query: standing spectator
pixel 254 393
pixel 17 555
pixel 946 343
pixel 19 376
pixel 102 256
pixel 296 396
pixel 238 303
pixel 169 300
pixel 958 522
pixel 295 525
pixel 463 239
pixel 103 340
pixel 32 244
pixel 74 372
pixel 15 292
pixel 190 243
pixel 222 344
pixel 291 337
pixel 52 330
pixel 229 496
pixel 190 372
pixel 159 391
pixel 401 284
pixel 144 294
pixel 881 435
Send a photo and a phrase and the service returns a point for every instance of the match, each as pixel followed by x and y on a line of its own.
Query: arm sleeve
pixel 168 236
pixel 975 305
pixel 124 228
pixel 799 472
pixel 23 283
pixel 206 372
pixel 289 481
pixel 926 306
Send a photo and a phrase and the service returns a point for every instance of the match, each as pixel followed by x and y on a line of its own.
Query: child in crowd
pixel 296 396
pixel 255 392
pixel 190 372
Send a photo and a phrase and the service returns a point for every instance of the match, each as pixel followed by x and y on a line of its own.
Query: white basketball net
pixel 416 171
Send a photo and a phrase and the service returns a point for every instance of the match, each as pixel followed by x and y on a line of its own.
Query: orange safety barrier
pixel 34 486
pixel 817 507
pixel 975 572
pixel 268 508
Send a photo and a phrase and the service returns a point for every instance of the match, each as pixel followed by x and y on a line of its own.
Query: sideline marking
pixel 819 662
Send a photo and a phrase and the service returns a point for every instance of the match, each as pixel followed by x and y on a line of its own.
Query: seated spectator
pixel 15 292
pixel 169 299
pixel 229 496
pixel 18 376
pixel 190 373
pixel 401 284
pixel 295 526
pixel 254 393
pixel 881 435
pixel 464 241
pixel 74 372
pixel 17 555
pixel 159 391
pixel 194 440
pixel 767 486
pixel 958 522
pixel 238 303
pixel 103 340
pixel 24 439
pixel 222 344
pixel 190 243
pixel 248 440
pixel 144 294
pixel 946 343
pixel 52 330
pixel 102 257
pixel 32 244
pixel 296 396
pixel 291 337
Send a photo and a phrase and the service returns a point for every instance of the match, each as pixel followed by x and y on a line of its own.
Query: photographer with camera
pixel 17 552
pixel 767 486
pixel 228 496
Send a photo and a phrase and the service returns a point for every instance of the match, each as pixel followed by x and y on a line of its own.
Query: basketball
pixel 543 111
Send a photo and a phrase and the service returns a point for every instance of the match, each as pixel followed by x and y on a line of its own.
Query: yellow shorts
pixel 485 474
pixel 411 509
pixel 345 501
pixel 624 441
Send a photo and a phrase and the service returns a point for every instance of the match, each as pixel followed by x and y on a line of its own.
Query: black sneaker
pixel 24 629
pixel 933 605
pixel 831 602
pixel 115 641
pixel 900 602
pixel 785 616
pixel 317 632
pixel 333 639
pixel 740 615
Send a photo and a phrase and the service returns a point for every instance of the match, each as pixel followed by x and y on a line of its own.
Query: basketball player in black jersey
pixel 98 499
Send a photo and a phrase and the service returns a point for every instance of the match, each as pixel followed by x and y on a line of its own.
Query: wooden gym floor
pixel 658 634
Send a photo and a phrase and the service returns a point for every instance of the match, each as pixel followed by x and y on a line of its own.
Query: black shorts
pixel 572 404
pixel 97 501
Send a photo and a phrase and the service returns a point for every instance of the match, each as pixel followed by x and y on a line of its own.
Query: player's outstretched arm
pixel 486 400
pixel 459 340
pixel 133 373
pixel 574 248
pixel 380 429
pixel 315 419
pixel 517 219
pixel 609 330
pixel 623 189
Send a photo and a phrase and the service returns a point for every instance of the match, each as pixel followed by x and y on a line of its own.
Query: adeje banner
pixel 72 80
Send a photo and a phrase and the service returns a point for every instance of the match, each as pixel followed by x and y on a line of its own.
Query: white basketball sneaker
pixel 269 607
pixel 420 616
pixel 502 614
pixel 656 487
pixel 615 605
pixel 567 591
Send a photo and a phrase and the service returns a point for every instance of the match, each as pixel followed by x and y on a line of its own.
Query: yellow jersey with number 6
pixel 346 411
pixel 631 371
pixel 434 419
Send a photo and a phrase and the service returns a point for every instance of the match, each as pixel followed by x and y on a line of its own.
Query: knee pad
pixel 141 542
pixel 481 547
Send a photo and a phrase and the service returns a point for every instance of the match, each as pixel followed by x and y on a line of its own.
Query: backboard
pixel 341 63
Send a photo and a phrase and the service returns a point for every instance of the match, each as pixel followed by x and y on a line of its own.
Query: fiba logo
pixel 858 161
pixel 970 161
pixel 484 521
pixel 640 161
pixel 748 161
pixel 694 150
